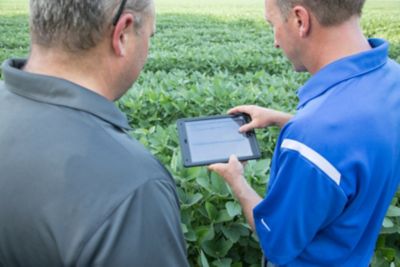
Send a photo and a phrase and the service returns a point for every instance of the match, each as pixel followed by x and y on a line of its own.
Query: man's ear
pixel 123 27
pixel 302 20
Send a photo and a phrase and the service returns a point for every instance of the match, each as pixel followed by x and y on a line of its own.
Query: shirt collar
pixel 344 69
pixel 60 92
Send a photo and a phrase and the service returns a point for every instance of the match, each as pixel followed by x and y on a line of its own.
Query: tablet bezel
pixel 182 135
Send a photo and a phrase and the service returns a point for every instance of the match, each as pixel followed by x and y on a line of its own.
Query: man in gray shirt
pixel 75 189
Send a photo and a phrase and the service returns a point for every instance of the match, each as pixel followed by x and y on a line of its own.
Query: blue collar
pixel 344 69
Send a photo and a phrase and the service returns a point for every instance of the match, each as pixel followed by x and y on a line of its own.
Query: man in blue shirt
pixel 336 165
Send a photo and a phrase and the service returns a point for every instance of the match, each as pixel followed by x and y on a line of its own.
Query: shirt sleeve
pixel 302 200
pixel 144 230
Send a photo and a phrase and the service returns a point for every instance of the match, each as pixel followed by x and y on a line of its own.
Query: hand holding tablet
pixel 207 140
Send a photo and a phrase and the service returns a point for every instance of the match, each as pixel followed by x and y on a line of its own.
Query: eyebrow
pixel 266 18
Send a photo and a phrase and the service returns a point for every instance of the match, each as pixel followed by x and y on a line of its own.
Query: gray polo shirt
pixel 75 189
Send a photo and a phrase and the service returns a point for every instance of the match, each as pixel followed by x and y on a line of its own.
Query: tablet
pixel 207 140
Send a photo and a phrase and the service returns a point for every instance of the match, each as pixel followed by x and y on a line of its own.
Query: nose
pixel 276 44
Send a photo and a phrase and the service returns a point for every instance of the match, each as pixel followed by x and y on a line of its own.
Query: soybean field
pixel 206 57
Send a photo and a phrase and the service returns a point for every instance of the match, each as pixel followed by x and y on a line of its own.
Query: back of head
pixel 327 12
pixel 78 25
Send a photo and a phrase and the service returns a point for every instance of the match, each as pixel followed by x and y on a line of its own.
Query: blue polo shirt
pixel 336 166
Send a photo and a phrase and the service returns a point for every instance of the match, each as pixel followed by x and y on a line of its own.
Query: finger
pixel 233 159
pixel 215 167
pixel 238 109
pixel 247 127
pixel 211 167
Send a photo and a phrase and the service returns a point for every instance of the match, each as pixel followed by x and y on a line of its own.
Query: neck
pixel 339 41
pixel 87 70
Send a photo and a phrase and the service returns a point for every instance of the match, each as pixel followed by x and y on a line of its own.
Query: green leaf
pixel 393 211
pixel 226 262
pixel 223 216
pixel 390 230
pixel 387 223
pixel 204 182
pixel 184 228
pixel 191 200
pixel 218 185
pixel 258 169
pixel 234 231
pixel 211 211
pixel 203 260
pixel 175 161
pixel 389 253
pixel 217 248
pixel 261 167
pixel 231 234
pixel 233 208
pixel 205 233
pixel 190 235
pixel 194 172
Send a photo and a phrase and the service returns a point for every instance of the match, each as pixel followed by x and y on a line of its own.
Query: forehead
pixel 151 9
pixel 150 21
pixel 270 8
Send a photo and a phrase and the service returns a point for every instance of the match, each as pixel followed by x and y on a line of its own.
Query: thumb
pixel 233 158
pixel 215 167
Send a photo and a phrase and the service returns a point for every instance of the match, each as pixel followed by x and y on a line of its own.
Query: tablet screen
pixel 213 139
pixel 210 140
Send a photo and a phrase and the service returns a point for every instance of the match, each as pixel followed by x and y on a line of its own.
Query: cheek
pixel 277 38
pixel 144 52
pixel 276 42
pixel 146 47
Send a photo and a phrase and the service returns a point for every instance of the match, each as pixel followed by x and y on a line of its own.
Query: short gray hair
pixel 327 12
pixel 78 25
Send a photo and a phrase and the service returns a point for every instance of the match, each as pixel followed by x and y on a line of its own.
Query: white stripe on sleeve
pixel 265 225
pixel 313 157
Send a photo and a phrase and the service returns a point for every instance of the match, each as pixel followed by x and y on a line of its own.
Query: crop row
pixel 203 65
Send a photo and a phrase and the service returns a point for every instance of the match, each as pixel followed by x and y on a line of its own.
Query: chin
pixel 299 68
